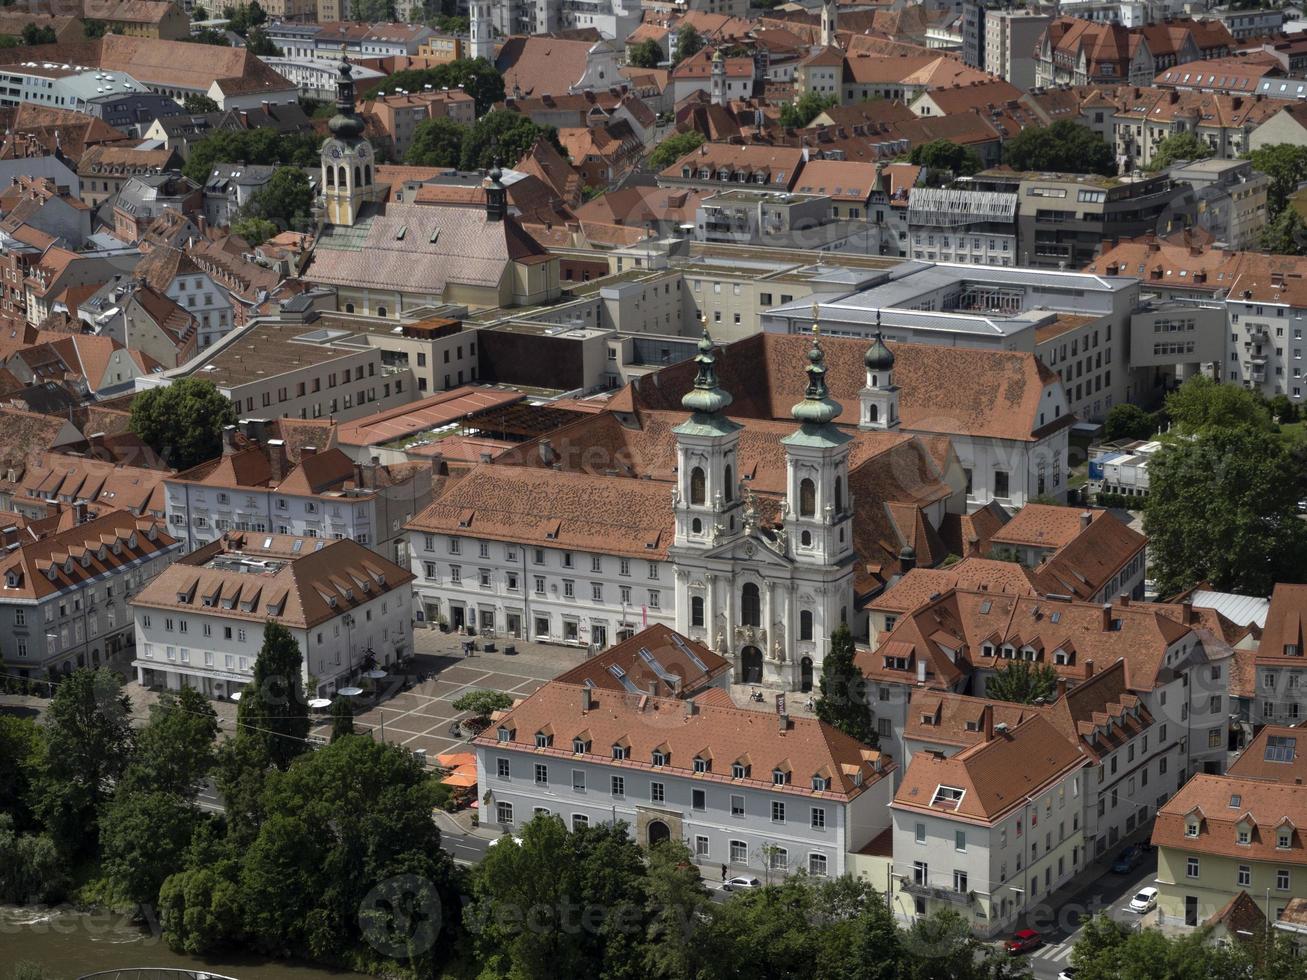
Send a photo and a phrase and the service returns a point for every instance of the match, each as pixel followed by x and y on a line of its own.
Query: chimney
pixel 691 708
pixel 1061 686
pixel 1086 518
pixel 921 671
pixel 228 439
pixel 277 459
pixel 308 451
pixel 1089 669
pixel 79 512
pixel 987 722
pixel 1187 611
pixel 587 699
pixel 1107 617
pixel 546 452
pixel 783 723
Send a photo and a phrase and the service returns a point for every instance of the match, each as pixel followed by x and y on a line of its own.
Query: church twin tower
pixel 767 598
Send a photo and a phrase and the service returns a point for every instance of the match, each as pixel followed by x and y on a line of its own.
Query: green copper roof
pixel 817 407
pixel 707 397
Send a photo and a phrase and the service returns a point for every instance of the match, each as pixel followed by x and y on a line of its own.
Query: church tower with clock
pixel 348 167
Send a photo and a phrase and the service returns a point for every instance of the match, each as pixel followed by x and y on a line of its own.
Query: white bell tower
pixel 481 31
pixel 879 398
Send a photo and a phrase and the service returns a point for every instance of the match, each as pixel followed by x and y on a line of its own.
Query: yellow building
pixel 1243 831
pixel 145 18
pixel 441 48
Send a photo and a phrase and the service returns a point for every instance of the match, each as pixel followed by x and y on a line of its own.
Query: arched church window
pixel 331 176
pixel 698 488
pixel 367 174
pixel 696 526
pixel 357 181
pixel 839 495
pixel 729 492
pixel 342 176
pixel 750 605
pixel 807 498
pixel 873 413
pixel 805 624
pixel 696 610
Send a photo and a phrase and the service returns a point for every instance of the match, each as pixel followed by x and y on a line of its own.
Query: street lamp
pixel 348 620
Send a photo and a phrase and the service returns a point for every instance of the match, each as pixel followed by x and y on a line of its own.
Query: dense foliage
pixel 1064 147
pixel 843 700
pixel 253 146
pixel 183 421
pixel 1179 146
pixel 1022 682
pixel 673 147
pixel 476 76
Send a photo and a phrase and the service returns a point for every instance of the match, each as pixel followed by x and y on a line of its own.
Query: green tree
pixel 88 743
pixel 646 54
pixel 241 774
pixel 256 231
pixel 38 35
pixel 677 903
pixel 1179 146
pixel 373 11
pixel 597 872
pixel 198 103
pixel 20 753
pixel 142 839
pixel 1201 403
pixel 206 35
pixel 843 699
pixel 1064 147
pixel 31 867
pixel 285 200
pixel 1222 508
pixel 476 76
pixel 1127 421
pixel 689 42
pixel 91 29
pixel 199 910
pixel 504 135
pixel 259 43
pixel 199 13
pixel 175 750
pixel 673 147
pixel 273 708
pixel 253 146
pixel 182 421
pixel 810 105
pixel 946 157
pixel 1283 410
pixel 482 704
pixel 1286 166
pixel 27 970
pixel 1022 682
pixel 1286 234
pixel 436 142
pixel 342 718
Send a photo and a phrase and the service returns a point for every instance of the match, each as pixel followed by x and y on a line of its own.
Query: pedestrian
pixel 723 872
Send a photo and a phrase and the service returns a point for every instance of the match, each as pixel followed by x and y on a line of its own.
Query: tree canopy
pixel 253 146
pixel 285 201
pixel 1286 165
pixel 182 421
pixel 198 103
pixel 1201 403
pixel 273 708
pixel 1022 682
pixel 437 142
pixel 1179 146
pixel 805 109
pixel 689 42
pixel 1286 234
pixel 477 77
pixel 843 700
pixel 673 147
pixel 1128 421
pixel 505 135
pixel 646 54
pixel 946 157
pixel 1064 147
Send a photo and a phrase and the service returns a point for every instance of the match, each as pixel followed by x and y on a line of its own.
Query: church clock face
pixel 333 151
pixel 364 151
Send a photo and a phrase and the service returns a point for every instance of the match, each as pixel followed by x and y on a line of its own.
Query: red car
pixel 1024 941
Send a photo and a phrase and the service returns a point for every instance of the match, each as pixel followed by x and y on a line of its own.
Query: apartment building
pixel 64 602
pixel 762 794
pixel 992 829
pixel 173 273
pixel 1270 687
pixel 261 485
pixel 1231 199
pixel 286 369
pixel 1266 309
pixel 200 624
pixel 954 224
pixel 1009 40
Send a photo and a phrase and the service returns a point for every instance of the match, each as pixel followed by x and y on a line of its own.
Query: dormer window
pixel 11 580
pixel 821 783
pixel 544 740
pixel 1243 835
pixel 580 746
pixel 701 764
pixel 987 649
pixel 621 751
pixel 1284 839
pixel 947 797
pixel 1292 650
pixel 779 777
pixel 504 734
pixel 739 771
pixel 1191 828
pixel 660 758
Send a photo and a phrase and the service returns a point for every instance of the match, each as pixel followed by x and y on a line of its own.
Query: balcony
pixel 939 894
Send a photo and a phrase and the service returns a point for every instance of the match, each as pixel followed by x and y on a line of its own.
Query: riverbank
pixel 69 943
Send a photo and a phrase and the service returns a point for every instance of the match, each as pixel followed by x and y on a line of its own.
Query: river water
pixel 69 944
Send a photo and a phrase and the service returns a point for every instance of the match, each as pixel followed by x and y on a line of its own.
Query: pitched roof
pixel 1283 760
pixel 922 584
pixel 542 65
pixel 842 180
pixel 960 720
pixel 300 582
pixel 993 776
pixel 1224 802
pixel 657 660
pixel 721 733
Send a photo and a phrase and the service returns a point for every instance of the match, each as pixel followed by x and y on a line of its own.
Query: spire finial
pixel 706 397
pixel 817 407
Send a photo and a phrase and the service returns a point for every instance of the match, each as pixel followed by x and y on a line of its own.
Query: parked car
pixel 1145 901
pixel 740 883
pixel 1127 860
pixel 1067 974
pixel 1024 941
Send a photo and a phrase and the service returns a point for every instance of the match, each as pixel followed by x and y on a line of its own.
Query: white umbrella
pixel 235 695
pixel 350 692
pixel 375 675
pixel 317 704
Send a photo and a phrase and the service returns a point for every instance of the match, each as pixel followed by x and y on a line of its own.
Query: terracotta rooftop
pixel 922 584
pixel 1218 804
pixel 657 661
pixel 1277 753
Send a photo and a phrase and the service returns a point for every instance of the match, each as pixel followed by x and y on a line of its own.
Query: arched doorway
pixel 751 665
pixel 658 832
pixel 805 674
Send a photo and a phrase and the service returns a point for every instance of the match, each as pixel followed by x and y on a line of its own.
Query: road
pixel 1061 922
